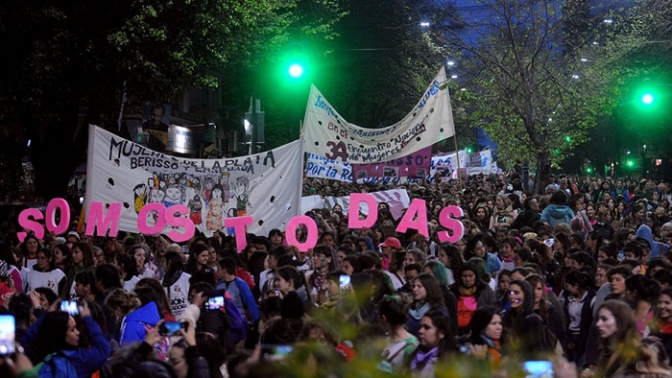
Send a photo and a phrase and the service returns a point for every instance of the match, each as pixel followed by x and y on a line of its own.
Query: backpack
pixel 56 365
pixel 239 324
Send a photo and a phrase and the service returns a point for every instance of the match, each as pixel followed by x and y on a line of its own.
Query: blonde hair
pixel 123 301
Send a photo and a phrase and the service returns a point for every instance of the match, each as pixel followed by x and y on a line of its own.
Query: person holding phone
pixel 185 358
pixel 56 332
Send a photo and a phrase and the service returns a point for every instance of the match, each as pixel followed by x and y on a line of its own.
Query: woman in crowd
pixel 436 342
pixel 396 269
pixel 485 335
pixel 618 338
pixel 616 277
pixel 503 215
pixel 198 259
pixel 476 248
pixel 641 294
pixel 29 248
pixel 288 279
pixel 427 296
pixel 127 270
pixel 56 332
pixel 471 293
pixel 663 320
pixel 185 357
pixel 324 258
pixel 45 273
pixel 400 343
pixel 144 266
pixel 134 325
pixel 414 256
pixel 577 306
pixel 176 283
pixel 551 315
pixel 482 217
pixel 451 258
pixel 63 257
pixel 437 270
pixel 525 325
pixel 82 260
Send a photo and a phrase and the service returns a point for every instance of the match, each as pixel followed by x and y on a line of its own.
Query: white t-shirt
pixel 49 279
pixel 178 294
pixel 396 281
pixel 130 284
pixel 29 263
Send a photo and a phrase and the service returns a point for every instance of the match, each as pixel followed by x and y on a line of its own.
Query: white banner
pixel 475 163
pixel 327 134
pixel 266 186
pixel 397 199
pixel 321 167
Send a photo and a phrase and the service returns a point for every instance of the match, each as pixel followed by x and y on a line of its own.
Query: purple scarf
pixel 422 359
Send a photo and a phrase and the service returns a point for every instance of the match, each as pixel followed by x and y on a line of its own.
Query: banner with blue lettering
pixel 266 186
pixel 327 134
pixel 321 167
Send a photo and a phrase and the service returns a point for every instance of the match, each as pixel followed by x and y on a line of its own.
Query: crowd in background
pixel 579 276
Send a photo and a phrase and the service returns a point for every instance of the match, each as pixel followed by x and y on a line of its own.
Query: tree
pixel 67 64
pixel 538 92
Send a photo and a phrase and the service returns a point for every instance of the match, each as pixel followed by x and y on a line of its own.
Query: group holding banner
pixel 267 186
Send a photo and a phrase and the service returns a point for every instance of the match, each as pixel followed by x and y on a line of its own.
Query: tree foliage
pixel 67 64
pixel 538 92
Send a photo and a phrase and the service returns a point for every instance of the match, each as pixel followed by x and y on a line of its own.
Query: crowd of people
pixel 579 276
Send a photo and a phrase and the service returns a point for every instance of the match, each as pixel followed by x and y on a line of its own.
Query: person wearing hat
pixel 73 237
pixel 389 247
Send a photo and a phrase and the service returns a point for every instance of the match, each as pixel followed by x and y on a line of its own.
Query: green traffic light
pixel 295 70
pixel 630 163
pixel 470 150
pixel 567 139
pixel 647 99
pixel 589 170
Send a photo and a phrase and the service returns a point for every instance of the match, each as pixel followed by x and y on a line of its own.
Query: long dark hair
pixel 480 320
pixel 441 321
pixel 51 335
pixel 433 289
pixel 87 261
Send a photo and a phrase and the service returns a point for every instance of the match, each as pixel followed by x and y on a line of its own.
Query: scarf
pixel 464 292
pixel 423 359
pixel 505 212
pixel 418 313
pixel 507 259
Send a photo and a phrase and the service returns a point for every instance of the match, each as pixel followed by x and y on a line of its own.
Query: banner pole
pixel 459 178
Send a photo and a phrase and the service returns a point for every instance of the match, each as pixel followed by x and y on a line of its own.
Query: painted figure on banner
pixel 195 205
pixel 215 219
pixel 140 193
pixel 173 196
pixel 241 188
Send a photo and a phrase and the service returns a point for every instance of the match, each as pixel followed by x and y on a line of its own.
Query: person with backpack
pixel 54 338
pixel 237 288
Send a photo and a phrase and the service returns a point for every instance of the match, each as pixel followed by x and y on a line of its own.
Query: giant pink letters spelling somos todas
pixel 99 222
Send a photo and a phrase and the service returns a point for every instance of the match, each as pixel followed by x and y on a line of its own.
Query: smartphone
pixel 538 369
pixel 70 307
pixel 215 303
pixel 276 352
pixel 7 332
pixel 172 328
pixel 344 282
